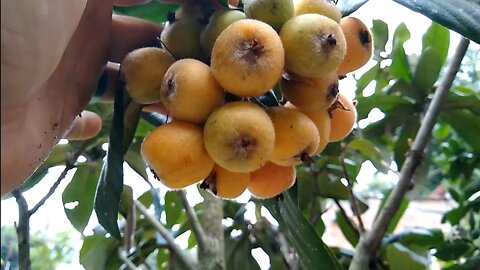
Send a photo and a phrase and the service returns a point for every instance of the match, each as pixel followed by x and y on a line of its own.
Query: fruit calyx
pixel 210 183
pixel 336 105
pixel 243 145
pixel 251 50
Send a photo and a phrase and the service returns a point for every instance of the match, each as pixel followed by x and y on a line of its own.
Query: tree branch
pixel 179 253
pixel 370 241
pixel 23 231
pixel 193 220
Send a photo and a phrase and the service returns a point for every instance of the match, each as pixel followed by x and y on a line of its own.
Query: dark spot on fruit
pixel 80 115
pixel 306 158
pixel 250 50
pixel 291 126
pixel 155 176
pixel 364 37
pixel 170 86
pixel 332 92
pixel 55 126
pixel 243 146
pixel 331 40
pixel 342 76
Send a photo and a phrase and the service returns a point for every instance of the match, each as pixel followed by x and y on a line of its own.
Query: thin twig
pixel 181 255
pixel 369 242
pixel 23 231
pixel 351 196
pixel 126 260
pixel 344 213
pixel 197 228
pixel 69 164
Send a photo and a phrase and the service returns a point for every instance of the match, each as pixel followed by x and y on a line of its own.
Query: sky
pixel 51 218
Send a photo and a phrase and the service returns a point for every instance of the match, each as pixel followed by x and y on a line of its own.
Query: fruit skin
pixel 322 7
pixel 273 12
pixel 359 44
pixel 226 184
pixel 247 58
pixel 321 119
pixel 190 92
pixel 182 38
pixel 343 118
pixel 314 45
pixel 296 136
pixel 310 93
pixel 175 152
pixel 239 136
pixel 142 70
pixel 219 20
pixel 271 180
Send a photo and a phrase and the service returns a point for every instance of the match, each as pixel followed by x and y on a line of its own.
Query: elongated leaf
pixel 461 15
pixel 455 102
pixel 466 124
pixel 427 71
pixel 371 152
pixel 421 237
pixel 453 250
pixel 239 254
pixel 110 184
pixel 349 6
pixel 398 215
pixel 331 188
pixel 401 257
pixel 367 78
pixel 96 250
pixel 402 146
pixel 131 118
pixel 350 232
pixel 314 254
pixel 382 101
pixel 81 190
pixel 437 37
pixel 174 209
pixel 135 160
pixel 400 68
pixel 153 11
pixel 380 35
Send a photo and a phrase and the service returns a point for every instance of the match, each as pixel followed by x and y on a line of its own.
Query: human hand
pixel 53 53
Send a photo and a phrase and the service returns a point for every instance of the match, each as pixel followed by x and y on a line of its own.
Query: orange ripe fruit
pixel 226 184
pixel 271 180
pixel 359 45
pixel 343 117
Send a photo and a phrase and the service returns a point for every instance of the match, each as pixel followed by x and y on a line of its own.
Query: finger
pixel 156 107
pixel 129 3
pixel 129 33
pixel 85 126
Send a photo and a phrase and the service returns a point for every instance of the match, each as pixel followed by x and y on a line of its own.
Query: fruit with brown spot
pixel 359 45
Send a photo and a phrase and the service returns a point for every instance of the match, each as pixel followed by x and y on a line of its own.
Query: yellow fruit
pixel 143 70
pixel 314 45
pixel 296 136
pixel 175 152
pixel 189 91
pixel 343 116
pixel 271 180
pixel 219 20
pixel 322 7
pixel 198 11
pixel 182 38
pixel 226 184
pixel 310 93
pixel 321 119
pixel 359 44
pixel 273 12
pixel 247 58
pixel 239 136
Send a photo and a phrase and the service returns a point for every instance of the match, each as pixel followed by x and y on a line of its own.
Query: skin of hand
pixel 52 55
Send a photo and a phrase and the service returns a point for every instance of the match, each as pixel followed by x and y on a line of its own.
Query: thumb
pixel 86 126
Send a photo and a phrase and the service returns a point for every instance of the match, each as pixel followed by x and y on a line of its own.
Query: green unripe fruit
pixel 182 38
pixel 273 12
pixel 219 20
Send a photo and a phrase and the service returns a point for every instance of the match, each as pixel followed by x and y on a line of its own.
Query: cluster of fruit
pixel 210 79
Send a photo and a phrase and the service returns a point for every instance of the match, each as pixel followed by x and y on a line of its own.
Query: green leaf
pixel 437 37
pixel 400 258
pixel 427 238
pixel 131 118
pixel 382 101
pixel 239 254
pixel 400 68
pixel 143 128
pixel 455 102
pixel 153 11
pixel 350 232
pixel 427 71
pixel 313 253
pixel 407 134
pixel 371 152
pixel 96 250
pixel 380 35
pixel 110 184
pixel 453 250
pixel 81 190
pixel 367 78
pixel 305 181
pixel 154 119
pixel 461 16
pixel 331 188
pixel 126 201
pixel 466 124
pixel 173 209
pixel 398 215
pixel 135 160
pixel 348 7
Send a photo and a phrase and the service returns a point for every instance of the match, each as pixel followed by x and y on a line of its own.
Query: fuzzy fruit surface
pixel 322 7
pixel 359 44
pixel 219 20
pixel 273 12
pixel 176 153
pixel 182 38
pixel 271 180
pixel 314 45
pixel 142 70
pixel 190 92
pixel 310 93
pixel 239 136
pixel 296 136
pixel 342 119
pixel 247 58
pixel 226 184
